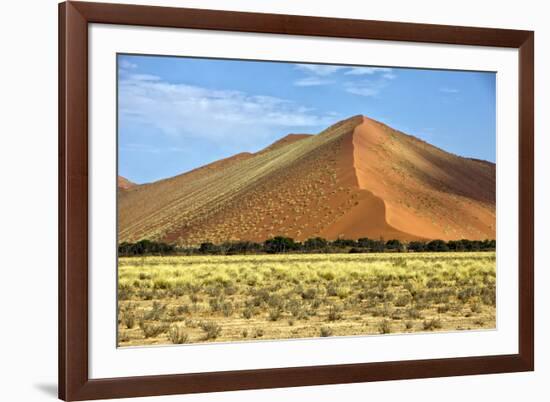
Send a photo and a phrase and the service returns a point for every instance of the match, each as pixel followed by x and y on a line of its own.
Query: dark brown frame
pixel 74 383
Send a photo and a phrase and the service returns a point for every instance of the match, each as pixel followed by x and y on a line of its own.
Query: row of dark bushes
pixel 280 244
pixel 146 247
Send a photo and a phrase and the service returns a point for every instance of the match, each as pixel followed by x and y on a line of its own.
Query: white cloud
pixel 365 87
pixel 144 77
pixel 187 111
pixel 319 69
pixel 367 70
pixel 312 81
pixel 449 90
pixel 125 64
pixel 325 75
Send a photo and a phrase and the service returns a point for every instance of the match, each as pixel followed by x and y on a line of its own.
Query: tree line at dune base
pixel 281 245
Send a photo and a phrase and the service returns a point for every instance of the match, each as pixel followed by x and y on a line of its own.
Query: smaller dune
pixel 124 184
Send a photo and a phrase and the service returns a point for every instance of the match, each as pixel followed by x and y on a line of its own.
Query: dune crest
pixel 124 184
pixel 357 178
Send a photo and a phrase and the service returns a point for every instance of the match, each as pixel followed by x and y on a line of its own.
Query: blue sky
pixel 176 114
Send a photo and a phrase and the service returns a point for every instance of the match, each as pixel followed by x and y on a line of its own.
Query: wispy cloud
pixel 319 69
pixel 144 77
pixel 189 111
pixel 127 65
pixel 367 70
pixel 312 81
pixel 366 87
pixel 354 78
pixel 449 90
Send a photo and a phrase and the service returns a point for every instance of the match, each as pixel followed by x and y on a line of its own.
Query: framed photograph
pixel 259 200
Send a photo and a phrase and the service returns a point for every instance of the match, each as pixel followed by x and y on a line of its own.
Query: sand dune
pixel 357 178
pixel 124 184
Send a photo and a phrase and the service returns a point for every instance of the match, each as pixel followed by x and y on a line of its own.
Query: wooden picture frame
pixel 74 381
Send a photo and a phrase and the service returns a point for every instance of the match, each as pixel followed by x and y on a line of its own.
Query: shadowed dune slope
pixel 357 178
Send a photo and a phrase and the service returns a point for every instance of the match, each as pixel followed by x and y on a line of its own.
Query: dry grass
pixel 236 298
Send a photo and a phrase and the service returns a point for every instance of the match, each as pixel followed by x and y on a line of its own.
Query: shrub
pixel 156 312
pixel 430 325
pixel 403 300
pixel 248 313
pixel 280 244
pixel 243 247
pixel 334 313
pixel 125 291
pixel 177 335
pixel 123 337
pixel 183 309
pixel 309 294
pixel 384 327
pixel 315 243
pixel 152 330
pixel 227 309
pixel 212 329
pixel 413 313
pixel 325 332
pixel 364 242
pixel 488 296
pixel 476 308
pixel 437 245
pixel 145 247
pixel 416 246
pixel 209 248
pixel 479 321
pixel 371 245
pixel 442 309
pixel 295 308
pixel 393 244
pixel 275 301
pixel 258 333
pixel 129 319
pixel 274 314
pixel 343 243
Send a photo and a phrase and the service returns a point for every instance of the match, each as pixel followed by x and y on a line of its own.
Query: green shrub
pixel 274 314
pixel 211 329
pixel 129 319
pixel 430 325
pixel 325 332
pixel 384 327
pixel 177 335
pixel 152 330
pixel 334 312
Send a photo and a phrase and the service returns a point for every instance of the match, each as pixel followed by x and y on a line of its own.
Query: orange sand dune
pixel 288 139
pixel 124 184
pixel 357 178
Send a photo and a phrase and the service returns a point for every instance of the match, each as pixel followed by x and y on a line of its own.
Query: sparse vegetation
pixel 188 299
